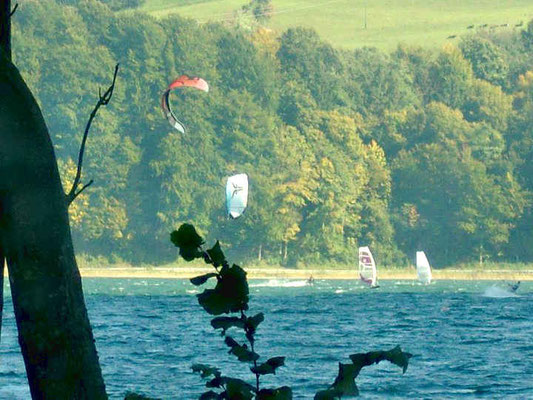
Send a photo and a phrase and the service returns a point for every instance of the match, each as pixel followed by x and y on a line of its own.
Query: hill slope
pixel 426 23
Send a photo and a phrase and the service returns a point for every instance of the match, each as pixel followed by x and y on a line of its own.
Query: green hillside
pixel 426 23
pixel 400 151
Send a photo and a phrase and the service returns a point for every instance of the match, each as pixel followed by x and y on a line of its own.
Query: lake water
pixel 471 339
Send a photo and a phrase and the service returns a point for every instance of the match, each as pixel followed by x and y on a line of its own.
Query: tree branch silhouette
pixel 14 9
pixel 103 100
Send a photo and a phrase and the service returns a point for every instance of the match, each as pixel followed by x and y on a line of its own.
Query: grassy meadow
pixel 426 23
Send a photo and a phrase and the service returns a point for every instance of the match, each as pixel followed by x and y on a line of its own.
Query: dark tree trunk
pixel 53 327
pixel 2 260
pixel 5 46
pixel 5 27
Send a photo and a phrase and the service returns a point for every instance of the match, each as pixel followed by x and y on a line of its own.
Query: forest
pixel 402 151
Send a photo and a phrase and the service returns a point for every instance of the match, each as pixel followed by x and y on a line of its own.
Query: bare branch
pixel 14 9
pixel 82 189
pixel 103 100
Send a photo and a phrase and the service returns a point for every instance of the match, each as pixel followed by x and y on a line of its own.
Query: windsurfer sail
pixel 423 268
pixel 236 195
pixel 367 267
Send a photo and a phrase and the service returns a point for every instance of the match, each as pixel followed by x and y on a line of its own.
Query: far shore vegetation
pixel 404 149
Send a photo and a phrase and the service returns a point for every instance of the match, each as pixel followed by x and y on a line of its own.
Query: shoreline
pixel 285 273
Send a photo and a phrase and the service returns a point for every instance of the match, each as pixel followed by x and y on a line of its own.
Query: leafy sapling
pixel 230 296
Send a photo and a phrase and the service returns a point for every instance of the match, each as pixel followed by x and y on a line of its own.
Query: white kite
pixel 236 195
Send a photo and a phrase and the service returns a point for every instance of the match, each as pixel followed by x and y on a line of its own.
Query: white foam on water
pixel 280 283
pixel 498 292
pixel 405 283
pixel 192 291
pixel 340 291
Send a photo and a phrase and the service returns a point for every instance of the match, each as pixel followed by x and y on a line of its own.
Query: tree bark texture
pixel 53 326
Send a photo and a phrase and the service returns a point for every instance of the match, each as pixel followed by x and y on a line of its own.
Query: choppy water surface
pixel 470 339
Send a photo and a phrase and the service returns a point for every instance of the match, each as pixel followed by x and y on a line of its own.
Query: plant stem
pixel 243 315
pixel 255 366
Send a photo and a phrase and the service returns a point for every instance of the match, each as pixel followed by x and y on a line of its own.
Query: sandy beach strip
pixel 287 273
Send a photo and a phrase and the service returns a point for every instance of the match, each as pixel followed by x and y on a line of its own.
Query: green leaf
pixel 253 322
pixel 230 342
pixel 216 382
pixel 188 242
pixel 269 367
pixel 216 255
pixel 200 280
pixel 213 302
pixel 209 396
pixel 186 236
pixel 345 382
pixel 329 394
pixel 237 389
pixel 205 370
pixel 225 323
pixel 395 356
pixel 136 396
pixel 233 284
pixel 229 295
pixel 242 352
pixel 282 393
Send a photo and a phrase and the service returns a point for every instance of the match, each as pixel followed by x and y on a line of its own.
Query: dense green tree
pixel 307 59
pixel 261 9
pixel 487 103
pixel 486 58
pixel 445 195
pixel 330 138
pixel 377 82
pixel 417 61
pixel 520 142
pixel 450 77
pixel 396 130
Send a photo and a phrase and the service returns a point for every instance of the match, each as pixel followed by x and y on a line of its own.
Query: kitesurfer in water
pixel 311 280
pixel 514 287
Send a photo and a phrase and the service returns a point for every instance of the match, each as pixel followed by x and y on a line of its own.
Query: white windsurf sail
pixel 236 195
pixel 422 267
pixel 367 267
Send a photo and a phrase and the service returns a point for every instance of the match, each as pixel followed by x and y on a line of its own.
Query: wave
pixel 280 283
pixel 498 292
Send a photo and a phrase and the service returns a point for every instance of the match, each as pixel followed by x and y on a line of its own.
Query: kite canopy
pixel 182 82
pixel 236 195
